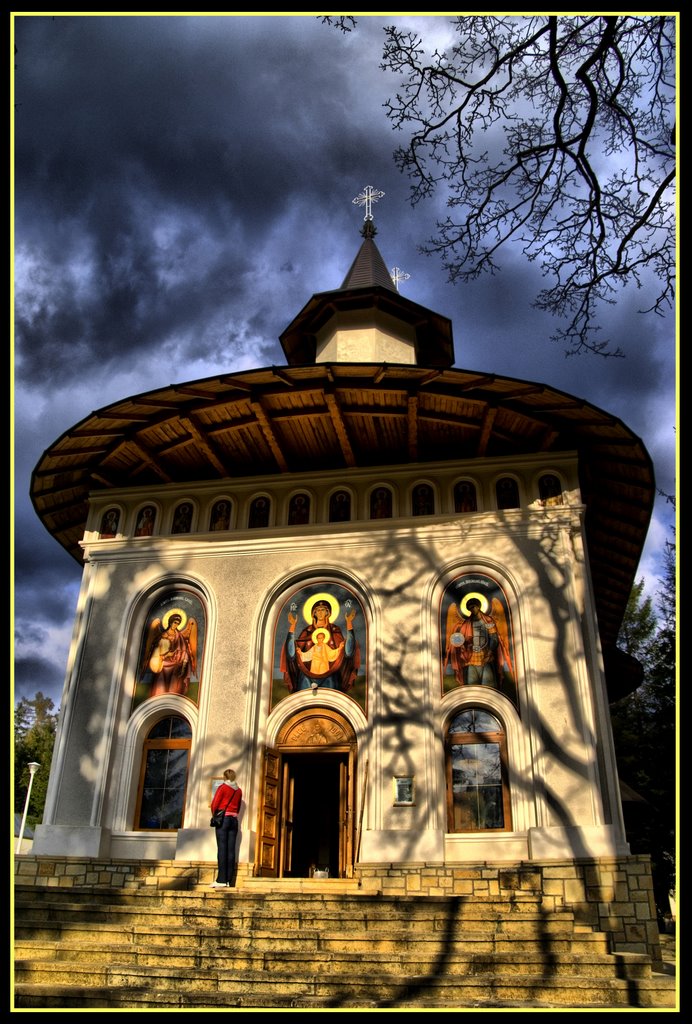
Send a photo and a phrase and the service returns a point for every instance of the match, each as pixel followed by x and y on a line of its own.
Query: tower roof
pixel 368 269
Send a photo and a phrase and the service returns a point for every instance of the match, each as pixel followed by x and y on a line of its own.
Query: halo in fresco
pixel 474 596
pixel 312 601
pixel 175 611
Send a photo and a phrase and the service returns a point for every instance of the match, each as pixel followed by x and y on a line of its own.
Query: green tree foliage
pixel 35 723
pixel 554 133
pixel 644 730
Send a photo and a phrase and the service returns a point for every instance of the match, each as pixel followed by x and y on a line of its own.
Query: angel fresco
pixel 477 646
pixel 170 653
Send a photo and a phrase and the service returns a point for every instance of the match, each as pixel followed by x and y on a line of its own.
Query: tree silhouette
pixel 35 724
pixel 554 133
pixel 644 730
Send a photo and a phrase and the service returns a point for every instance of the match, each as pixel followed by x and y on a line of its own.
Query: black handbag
pixel 217 818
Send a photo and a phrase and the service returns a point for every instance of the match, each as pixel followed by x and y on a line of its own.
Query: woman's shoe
pixel 218 885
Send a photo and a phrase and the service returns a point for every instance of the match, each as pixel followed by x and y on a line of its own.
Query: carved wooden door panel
pixel 287 806
pixel 346 808
pixel 268 831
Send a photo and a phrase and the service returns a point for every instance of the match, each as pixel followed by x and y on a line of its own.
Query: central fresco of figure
pixel 320 637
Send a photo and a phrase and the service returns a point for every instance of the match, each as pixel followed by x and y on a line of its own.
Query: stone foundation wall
pixel 612 895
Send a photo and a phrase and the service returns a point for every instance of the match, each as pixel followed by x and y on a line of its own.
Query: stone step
pixel 400 963
pixel 307 939
pixel 86 986
pixel 296 912
pixel 89 948
pixel 363 902
pixel 226 929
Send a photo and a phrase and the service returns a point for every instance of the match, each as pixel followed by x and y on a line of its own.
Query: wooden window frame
pixel 160 743
pixel 468 738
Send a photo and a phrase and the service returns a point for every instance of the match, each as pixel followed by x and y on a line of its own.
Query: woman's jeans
pixel 226 839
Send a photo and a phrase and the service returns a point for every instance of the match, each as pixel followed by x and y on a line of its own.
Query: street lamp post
pixel 33 767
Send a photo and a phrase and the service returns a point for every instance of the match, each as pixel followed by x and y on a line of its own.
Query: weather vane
pixel 398 275
pixel 367 197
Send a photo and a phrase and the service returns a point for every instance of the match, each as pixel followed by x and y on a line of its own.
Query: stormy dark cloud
pixel 183 185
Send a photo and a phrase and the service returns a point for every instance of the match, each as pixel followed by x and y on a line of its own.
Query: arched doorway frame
pixel 299 729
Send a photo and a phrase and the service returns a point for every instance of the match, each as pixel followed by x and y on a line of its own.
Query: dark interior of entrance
pixel 316 810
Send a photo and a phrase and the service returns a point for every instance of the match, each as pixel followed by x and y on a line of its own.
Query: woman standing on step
pixel 227 797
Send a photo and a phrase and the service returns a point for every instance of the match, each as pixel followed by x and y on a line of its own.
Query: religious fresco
pixel 320 642
pixel 144 526
pixel 109 523
pixel 171 649
pixel 476 636
pixel 220 518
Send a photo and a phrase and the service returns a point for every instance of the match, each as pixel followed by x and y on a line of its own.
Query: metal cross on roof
pixel 367 197
pixel 398 275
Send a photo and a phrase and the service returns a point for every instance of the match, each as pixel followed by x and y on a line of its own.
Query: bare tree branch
pixel 553 132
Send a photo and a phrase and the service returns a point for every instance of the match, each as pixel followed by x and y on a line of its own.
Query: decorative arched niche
pixel 476 636
pixel 320 642
pixel 171 651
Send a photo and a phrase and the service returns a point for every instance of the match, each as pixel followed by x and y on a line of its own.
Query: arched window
pixel 477 790
pixel 465 497
pixel 423 500
pixel 550 489
pixel 299 510
pixel 340 507
pixel 182 518
pixel 381 503
pixel 507 491
pixel 163 777
pixel 259 513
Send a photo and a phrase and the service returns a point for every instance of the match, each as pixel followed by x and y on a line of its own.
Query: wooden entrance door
pixel 267 857
pixel 307 808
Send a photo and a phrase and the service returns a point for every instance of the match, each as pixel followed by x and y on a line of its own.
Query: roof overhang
pixel 278 420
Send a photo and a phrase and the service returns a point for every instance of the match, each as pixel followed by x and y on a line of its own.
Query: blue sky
pixel 183 185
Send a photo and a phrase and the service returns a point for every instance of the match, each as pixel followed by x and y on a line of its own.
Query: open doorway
pixel 307 800
pixel 313 814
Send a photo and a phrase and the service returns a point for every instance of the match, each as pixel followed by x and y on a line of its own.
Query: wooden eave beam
pixel 243 422
pixel 149 460
pixel 269 436
pixel 114 414
pixel 340 428
pixel 412 427
pixel 284 376
pixel 99 432
pixel 204 445
pixel 71 453
pixel 57 506
pixel 428 378
pixel 486 429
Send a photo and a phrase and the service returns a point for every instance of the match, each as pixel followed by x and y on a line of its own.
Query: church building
pixel 385 590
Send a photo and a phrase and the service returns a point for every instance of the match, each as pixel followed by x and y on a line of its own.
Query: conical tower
pixel 368 321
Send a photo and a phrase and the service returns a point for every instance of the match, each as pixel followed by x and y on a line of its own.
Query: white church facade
pixel 385 590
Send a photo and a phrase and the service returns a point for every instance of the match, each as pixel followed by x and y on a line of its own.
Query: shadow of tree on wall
pixel 404 671
pixel 401 714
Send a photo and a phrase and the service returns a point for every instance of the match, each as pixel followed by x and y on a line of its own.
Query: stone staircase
pixel 310 945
